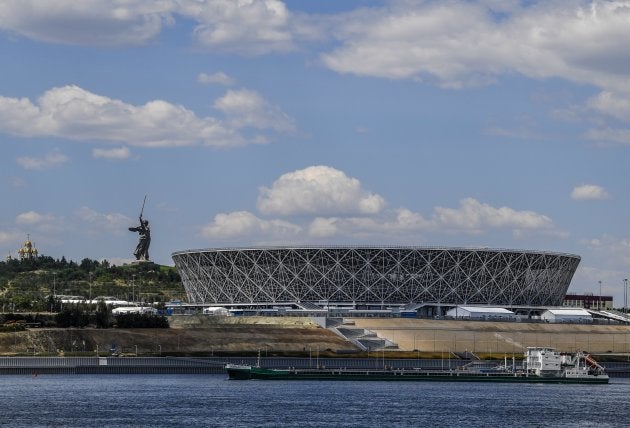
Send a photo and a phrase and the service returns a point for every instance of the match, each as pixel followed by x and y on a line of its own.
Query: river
pixel 212 400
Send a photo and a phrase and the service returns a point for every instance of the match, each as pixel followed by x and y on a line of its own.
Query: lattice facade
pixel 381 275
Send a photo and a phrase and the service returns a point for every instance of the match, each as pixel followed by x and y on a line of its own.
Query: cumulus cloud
pixel 116 153
pixel 40 222
pixel 87 22
pixel 51 160
pixel 218 78
pixel 318 190
pixel 469 43
pixel 615 104
pixel 398 225
pixel 589 192
pixel 326 204
pixel 32 217
pixel 473 215
pixel 113 222
pixel 250 27
pixel 247 108
pixel 74 113
pixel 454 44
pixel 245 224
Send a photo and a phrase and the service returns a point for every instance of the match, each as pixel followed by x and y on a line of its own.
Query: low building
pixel 570 315
pixel 134 310
pixel 588 301
pixel 480 313
pixel 216 311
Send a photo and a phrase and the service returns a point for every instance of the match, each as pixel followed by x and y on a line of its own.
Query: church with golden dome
pixel 27 252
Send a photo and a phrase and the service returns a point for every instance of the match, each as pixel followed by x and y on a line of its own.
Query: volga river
pixel 212 400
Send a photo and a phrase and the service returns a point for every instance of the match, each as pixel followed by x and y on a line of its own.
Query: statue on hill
pixel 144 237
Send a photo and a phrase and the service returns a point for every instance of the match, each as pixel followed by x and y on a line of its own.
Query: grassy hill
pixel 25 285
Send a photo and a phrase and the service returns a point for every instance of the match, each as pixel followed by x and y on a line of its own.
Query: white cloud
pixel 325 204
pixel 218 78
pixel 468 43
pixel 117 153
pixel 318 190
pixel 616 104
pixel 589 192
pixel 473 216
pixel 323 227
pixel 455 43
pixel 112 222
pixel 243 224
pixel 608 134
pixel 9 238
pixel 32 218
pixel 250 27
pixel 395 226
pixel 74 113
pixel 46 223
pixel 51 160
pixel 614 251
pixel 248 108
pixel 87 22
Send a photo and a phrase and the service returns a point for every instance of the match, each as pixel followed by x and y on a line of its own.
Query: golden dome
pixel 28 251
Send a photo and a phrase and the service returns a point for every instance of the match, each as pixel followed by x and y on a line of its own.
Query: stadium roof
pixel 388 247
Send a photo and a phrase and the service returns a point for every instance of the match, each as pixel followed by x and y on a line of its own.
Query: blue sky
pixel 478 123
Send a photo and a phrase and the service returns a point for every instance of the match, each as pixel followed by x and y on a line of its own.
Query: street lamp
pixel 599 306
pixel 91 273
pixel 625 295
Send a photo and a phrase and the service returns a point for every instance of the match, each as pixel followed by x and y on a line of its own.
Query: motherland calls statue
pixel 144 235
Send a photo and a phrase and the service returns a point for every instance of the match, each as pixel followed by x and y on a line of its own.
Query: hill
pixel 26 285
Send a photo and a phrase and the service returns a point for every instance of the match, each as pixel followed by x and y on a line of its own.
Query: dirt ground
pixel 205 335
pixel 497 337
pixel 188 335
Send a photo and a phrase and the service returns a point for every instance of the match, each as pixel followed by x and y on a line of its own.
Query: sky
pixel 260 122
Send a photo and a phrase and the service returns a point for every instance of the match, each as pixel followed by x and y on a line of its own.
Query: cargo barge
pixel 541 365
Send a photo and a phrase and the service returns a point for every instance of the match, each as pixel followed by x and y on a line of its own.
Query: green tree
pixel 102 317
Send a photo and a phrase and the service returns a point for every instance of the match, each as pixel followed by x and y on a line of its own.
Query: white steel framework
pixel 375 275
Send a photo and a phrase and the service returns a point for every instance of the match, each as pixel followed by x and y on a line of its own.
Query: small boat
pixel 541 365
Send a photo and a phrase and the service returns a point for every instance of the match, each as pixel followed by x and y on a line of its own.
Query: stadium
pixel 428 280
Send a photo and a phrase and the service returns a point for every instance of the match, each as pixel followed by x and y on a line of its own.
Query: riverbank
pixel 199 335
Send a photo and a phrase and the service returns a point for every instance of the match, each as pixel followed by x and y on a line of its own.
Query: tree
pixel 72 316
pixel 102 317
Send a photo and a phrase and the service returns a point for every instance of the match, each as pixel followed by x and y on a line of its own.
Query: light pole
pixel 625 295
pixel 91 287
pixel 599 306
pixel 133 288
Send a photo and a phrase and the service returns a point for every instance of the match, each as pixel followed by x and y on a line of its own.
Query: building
pixel 123 310
pixel 588 301
pixel 28 251
pixel 481 313
pixel 374 278
pixel 560 315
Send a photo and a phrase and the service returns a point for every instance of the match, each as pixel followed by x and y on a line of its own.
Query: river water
pixel 212 400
